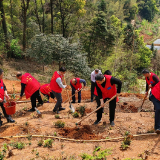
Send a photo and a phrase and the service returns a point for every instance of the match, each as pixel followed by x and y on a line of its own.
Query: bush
pixel 18 145
pixel 60 124
pixel 15 49
pixel 81 110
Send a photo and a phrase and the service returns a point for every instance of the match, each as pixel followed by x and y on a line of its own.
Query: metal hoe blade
pixel 71 107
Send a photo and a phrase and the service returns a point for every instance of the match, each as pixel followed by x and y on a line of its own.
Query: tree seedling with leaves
pixel 40 142
pixel 48 143
pixel 81 110
pixel 75 114
pixel 60 124
pixel 57 116
pixel 127 141
pixel 18 145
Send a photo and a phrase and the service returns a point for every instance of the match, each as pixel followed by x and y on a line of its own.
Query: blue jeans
pixel 156 103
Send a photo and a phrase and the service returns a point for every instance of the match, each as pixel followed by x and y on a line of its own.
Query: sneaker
pixel 39 104
pixel 10 120
pixel 73 102
pixel 112 124
pixel 61 108
pixel 55 111
pixel 31 110
pixel 96 122
pixel 158 131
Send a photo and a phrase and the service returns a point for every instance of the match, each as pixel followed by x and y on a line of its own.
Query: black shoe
pixel 31 110
pixel 91 100
pixel 79 102
pixel 158 131
pixel 1 123
pixel 39 104
pixel 112 124
pixel 96 122
pixel 55 111
pixel 10 120
pixel 61 108
pixel 73 102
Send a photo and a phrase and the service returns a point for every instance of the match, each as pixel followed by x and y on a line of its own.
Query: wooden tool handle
pixel 96 109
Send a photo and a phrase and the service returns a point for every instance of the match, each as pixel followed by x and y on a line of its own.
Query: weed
pixel 24 108
pixel 75 114
pixel 45 99
pixel 57 116
pixel 18 145
pixel 2 155
pixel 60 124
pixel 81 110
pixel 48 143
pixel 5 147
pixel 29 137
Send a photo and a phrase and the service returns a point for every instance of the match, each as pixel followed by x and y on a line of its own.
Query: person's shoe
pixel 73 102
pixel 31 110
pixel 1 123
pixel 158 131
pixel 91 100
pixel 96 122
pixel 112 124
pixel 61 108
pixel 55 111
pixel 79 102
pixel 10 120
pixel 39 104
pixel 102 110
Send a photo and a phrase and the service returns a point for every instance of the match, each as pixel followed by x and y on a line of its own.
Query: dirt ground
pixel 127 120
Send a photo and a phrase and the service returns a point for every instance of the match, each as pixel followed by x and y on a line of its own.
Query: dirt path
pixel 127 120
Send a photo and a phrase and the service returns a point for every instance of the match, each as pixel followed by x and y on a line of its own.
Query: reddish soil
pixel 146 37
pixel 127 119
pixel 84 133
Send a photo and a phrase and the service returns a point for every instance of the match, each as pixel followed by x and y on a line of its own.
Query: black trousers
pixel 4 111
pixel 36 95
pixel 112 107
pixel 74 98
pixel 52 95
pixel 93 85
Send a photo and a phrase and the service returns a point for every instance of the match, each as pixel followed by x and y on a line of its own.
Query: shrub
pixel 127 141
pixel 18 145
pixel 60 124
pixel 57 116
pixel 81 110
pixel 48 143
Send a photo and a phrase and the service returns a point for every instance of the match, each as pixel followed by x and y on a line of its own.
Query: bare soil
pixel 127 119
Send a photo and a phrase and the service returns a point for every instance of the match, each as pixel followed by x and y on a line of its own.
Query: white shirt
pixel 93 75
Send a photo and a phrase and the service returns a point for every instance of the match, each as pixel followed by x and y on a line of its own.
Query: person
pixel 3 95
pixel 56 88
pixel 77 86
pixel 106 89
pixel 155 98
pixel 108 72
pixel 31 87
pixel 93 82
pixel 46 91
pixel 151 80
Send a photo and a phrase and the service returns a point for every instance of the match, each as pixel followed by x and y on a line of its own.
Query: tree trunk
pixel 36 11
pixel 7 44
pixel 12 17
pixel 24 9
pixel 51 3
pixel 43 15
pixel 62 20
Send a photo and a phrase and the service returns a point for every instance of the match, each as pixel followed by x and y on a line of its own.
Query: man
pixel 31 87
pixel 108 72
pixel 93 81
pixel 155 98
pixel 46 91
pixel 77 86
pixel 3 95
pixel 106 89
pixel 151 79
pixel 56 88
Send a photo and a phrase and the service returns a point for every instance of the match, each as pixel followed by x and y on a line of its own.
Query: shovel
pixel 140 108
pixel 79 122
pixel 70 104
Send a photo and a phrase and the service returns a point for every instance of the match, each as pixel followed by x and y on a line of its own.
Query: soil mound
pixel 84 133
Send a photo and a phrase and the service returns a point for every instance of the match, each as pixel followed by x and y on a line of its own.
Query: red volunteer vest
pixel 78 85
pixel 1 90
pixel 45 89
pixel 150 81
pixel 53 84
pixel 32 85
pixel 109 90
pixel 156 91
